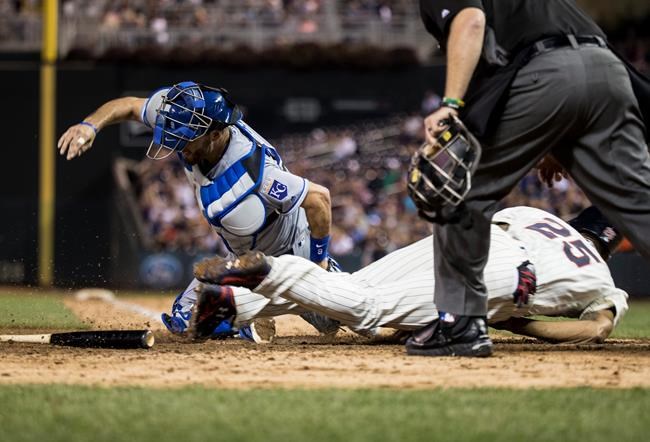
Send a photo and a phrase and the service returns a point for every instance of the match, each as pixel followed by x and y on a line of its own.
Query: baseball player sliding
pixel 241 184
pixel 538 265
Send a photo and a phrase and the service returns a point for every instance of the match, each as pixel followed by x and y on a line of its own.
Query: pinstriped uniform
pixel 397 290
pixel 572 278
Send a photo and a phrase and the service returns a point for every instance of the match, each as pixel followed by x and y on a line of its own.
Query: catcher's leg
pixel 179 320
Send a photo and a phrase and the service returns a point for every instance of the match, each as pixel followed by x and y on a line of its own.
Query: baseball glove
pixel 440 176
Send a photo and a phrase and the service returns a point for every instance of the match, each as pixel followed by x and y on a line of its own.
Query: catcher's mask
pixel 593 224
pixel 440 176
pixel 189 111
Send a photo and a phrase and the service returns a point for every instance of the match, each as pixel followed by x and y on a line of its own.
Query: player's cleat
pixel 260 331
pixel 174 324
pixel 179 320
pixel 248 270
pixel 465 336
pixel 325 326
pixel 214 305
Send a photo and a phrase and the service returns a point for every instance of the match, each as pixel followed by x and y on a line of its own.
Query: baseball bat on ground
pixel 91 339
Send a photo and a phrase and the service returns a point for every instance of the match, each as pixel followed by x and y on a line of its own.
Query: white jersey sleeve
pixel 281 189
pixel 151 105
pixel 615 298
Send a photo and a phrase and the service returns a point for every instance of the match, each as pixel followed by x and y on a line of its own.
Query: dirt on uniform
pixel 300 359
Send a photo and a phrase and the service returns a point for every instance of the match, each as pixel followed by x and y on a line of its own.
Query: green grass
pixel 62 413
pixel 636 322
pixel 36 311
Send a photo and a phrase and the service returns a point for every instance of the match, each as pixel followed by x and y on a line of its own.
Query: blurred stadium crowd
pixel 142 13
pixel 230 32
pixel 358 33
pixel 364 166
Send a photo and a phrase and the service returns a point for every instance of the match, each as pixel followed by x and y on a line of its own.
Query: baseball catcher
pixel 243 188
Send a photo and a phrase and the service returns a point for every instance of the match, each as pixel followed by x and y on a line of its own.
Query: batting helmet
pixel 440 176
pixel 593 224
pixel 187 112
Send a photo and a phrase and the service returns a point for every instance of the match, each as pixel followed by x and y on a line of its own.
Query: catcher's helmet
pixel 440 176
pixel 189 111
pixel 593 224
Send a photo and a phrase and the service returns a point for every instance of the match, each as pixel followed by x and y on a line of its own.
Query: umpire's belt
pixel 563 41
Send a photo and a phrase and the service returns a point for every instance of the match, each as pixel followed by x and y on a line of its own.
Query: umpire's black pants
pixel 579 105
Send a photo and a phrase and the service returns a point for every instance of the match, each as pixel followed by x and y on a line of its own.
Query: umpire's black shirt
pixel 512 27
pixel 516 23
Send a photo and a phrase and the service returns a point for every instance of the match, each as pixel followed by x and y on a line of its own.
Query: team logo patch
pixel 278 190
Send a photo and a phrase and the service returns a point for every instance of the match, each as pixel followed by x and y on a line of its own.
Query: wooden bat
pixel 91 339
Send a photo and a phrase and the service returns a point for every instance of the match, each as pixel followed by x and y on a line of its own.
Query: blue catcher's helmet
pixel 593 224
pixel 188 111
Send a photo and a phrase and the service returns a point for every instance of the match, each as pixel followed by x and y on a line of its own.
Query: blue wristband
pixel 92 126
pixel 318 248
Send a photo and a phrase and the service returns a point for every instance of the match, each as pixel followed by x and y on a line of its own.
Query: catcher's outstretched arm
pixel 79 137
pixel 594 329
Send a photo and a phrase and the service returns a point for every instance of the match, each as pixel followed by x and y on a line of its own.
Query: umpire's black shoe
pixel 248 270
pixel 465 336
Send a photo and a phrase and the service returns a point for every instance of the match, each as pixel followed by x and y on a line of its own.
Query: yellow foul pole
pixel 47 149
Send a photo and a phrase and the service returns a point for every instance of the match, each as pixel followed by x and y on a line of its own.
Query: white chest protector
pixel 230 200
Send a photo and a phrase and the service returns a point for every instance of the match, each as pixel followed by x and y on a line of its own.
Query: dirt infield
pixel 299 358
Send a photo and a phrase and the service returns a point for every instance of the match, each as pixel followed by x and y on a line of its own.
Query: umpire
pixel 529 78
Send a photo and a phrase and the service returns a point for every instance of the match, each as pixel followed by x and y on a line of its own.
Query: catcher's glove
pixel 440 176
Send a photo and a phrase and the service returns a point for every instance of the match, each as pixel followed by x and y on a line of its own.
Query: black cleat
pixel 214 304
pixel 248 270
pixel 466 336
